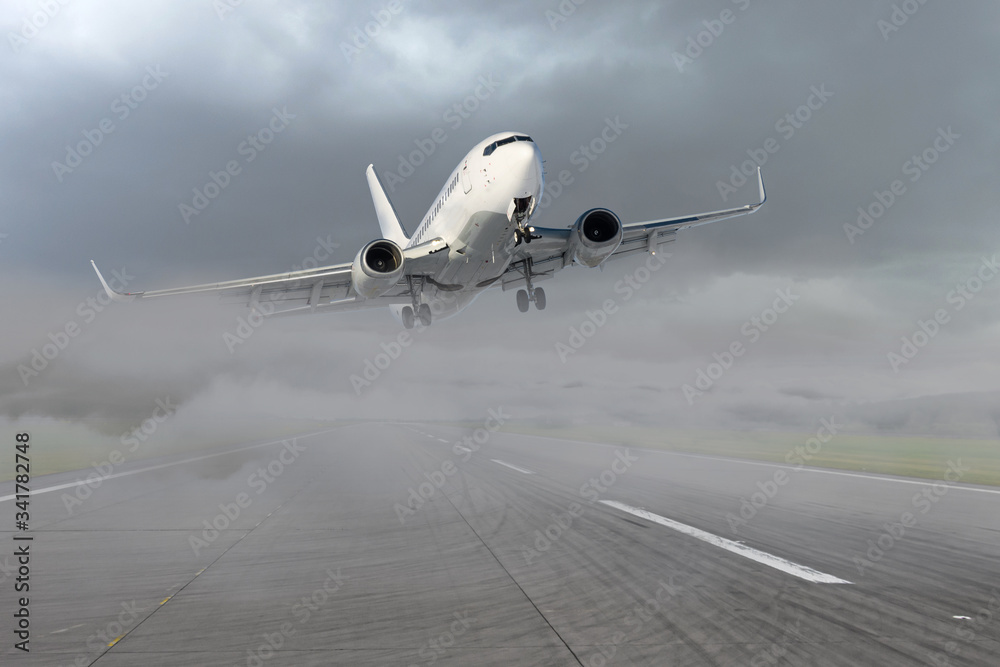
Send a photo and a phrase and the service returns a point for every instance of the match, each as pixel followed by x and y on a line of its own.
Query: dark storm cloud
pixel 210 82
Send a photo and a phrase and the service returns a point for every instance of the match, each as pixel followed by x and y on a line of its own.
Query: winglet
pixel 760 184
pixel 113 295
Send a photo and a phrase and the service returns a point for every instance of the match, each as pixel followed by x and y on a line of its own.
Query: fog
pixel 920 267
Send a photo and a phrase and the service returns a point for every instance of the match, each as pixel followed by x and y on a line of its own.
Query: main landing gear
pixel 418 311
pixel 531 294
pixel 524 299
pixel 423 314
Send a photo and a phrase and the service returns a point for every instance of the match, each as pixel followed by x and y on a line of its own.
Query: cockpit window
pixel 503 142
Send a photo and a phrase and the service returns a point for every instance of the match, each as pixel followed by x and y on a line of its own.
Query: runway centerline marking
pixel 513 467
pixel 82 482
pixel 463 449
pixel 762 557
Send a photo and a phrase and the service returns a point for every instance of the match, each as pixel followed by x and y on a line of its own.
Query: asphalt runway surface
pixel 402 544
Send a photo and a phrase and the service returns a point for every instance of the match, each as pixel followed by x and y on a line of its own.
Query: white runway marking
pixel 81 482
pixel 463 449
pixel 512 467
pixel 56 632
pixel 755 555
pixel 442 440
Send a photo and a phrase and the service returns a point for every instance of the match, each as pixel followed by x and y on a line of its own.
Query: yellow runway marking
pixel 116 640
pixel 166 598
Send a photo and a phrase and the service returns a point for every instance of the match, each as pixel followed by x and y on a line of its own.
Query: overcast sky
pixel 116 112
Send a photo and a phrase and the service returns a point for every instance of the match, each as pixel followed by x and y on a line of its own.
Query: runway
pixel 414 544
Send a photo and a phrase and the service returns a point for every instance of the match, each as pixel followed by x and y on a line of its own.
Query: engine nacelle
pixel 595 236
pixel 378 266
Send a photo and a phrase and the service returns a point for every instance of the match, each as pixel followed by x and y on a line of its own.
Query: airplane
pixel 477 235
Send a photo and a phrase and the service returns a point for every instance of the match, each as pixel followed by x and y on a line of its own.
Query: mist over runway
pixel 413 544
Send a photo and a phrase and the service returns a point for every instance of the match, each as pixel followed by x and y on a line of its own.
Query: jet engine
pixel 595 236
pixel 378 266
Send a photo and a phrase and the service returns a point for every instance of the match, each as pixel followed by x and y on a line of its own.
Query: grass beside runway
pixel 907 456
pixel 64 446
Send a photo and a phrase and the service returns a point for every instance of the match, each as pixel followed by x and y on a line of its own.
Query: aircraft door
pixel 466 179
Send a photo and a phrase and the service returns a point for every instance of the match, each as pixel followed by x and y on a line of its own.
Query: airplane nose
pixel 526 162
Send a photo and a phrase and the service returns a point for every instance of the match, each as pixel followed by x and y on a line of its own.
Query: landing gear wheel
pixel 407 317
pixel 424 314
pixel 539 298
pixel 523 302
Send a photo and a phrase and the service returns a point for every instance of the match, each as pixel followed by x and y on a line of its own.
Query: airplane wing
pixel 323 288
pixel 549 249
pixel 638 236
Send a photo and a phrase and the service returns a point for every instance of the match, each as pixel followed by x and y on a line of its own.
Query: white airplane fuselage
pixel 473 213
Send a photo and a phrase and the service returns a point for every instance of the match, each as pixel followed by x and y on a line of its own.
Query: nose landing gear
pixel 518 213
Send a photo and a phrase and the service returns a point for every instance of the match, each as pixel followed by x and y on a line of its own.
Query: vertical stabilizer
pixel 386 212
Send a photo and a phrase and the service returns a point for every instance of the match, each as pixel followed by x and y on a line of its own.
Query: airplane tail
pixel 386 212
